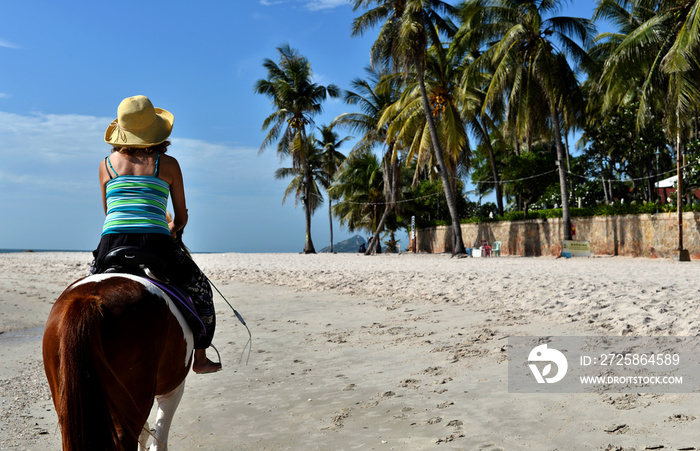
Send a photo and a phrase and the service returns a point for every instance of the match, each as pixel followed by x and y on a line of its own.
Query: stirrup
pixel 217 355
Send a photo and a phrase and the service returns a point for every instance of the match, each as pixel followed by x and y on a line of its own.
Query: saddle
pixel 144 263
pixel 135 261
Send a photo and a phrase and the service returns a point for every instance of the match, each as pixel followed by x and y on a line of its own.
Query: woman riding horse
pixel 135 181
pixel 112 341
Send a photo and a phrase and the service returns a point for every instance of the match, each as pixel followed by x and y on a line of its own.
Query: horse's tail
pixel 84 413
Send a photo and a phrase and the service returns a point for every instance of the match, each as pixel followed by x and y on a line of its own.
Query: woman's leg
pixel 202 364
pixel 198 288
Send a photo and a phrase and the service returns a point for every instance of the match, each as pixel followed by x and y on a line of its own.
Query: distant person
pixel 486 247
pixel 363 248
pixel 136 180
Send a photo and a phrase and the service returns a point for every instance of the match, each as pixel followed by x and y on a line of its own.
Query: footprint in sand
pixel 452 438
pixel 681 417
pixel 618 429
pixel 488 447
pixel 409 383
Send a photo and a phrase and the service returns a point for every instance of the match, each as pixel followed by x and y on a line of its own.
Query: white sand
pixel 384 352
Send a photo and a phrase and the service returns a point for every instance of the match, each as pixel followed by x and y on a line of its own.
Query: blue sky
pixel 67 65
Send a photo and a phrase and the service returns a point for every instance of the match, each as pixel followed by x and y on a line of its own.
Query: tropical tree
pixel 485 128
pixel 373 96
pixel 406 119
pixel 297 99
pixel 526 49
pixel 359 184
pixel 530 173
pixel 307 189
pixel 660 57
pixel 329 142
pixel 409 26
pixel 488 159
pixel 617 147
pixel 427 200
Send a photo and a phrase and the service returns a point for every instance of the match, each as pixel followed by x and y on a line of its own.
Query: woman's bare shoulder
pixel 170 169
pixel 170 163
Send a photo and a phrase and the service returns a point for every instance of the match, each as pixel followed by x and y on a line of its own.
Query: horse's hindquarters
pixel 110 344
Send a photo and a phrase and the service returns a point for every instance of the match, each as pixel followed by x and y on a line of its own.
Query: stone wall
pixel 652 236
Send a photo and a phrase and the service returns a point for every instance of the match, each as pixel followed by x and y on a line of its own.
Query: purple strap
pixel 176 294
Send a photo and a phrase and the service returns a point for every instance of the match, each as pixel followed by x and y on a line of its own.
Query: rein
pixel 240 318
pixel 177 294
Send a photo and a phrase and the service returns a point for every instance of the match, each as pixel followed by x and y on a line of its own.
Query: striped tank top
pixel 136 203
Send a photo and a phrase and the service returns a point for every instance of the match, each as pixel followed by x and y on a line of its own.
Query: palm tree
pixel 406 119
pixel 373 96
pixel 526 51
pixel 409 26
pixel 486 127
pixel 297 100
pixel 306 189
pixel 360 186
pixel 660 56
pixel 332 159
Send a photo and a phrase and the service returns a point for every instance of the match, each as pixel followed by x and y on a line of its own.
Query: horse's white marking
pixel 167 405
pixel 187 332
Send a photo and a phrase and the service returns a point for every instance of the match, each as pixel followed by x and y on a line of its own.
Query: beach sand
pixel 390 352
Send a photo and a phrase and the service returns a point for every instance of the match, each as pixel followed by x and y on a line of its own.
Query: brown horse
pixel 113 343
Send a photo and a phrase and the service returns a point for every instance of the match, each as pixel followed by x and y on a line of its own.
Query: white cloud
pixel 51 137
pixel 320 79
pixel 221 168
pixel 8 44
pixel 316 5
pixel 312 5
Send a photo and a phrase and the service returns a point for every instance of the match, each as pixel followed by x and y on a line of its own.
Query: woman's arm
pixel 172 174
pixel 104 178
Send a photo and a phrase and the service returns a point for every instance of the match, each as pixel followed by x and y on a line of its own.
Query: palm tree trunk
pixel 679 190
pixel 458 247
pixel 391 187
pixel 375 238
pixel 568 159
pixel 605 189
pixel 683 254
pixel 494 169
pixel 309 244
pixel 566 218
pixel 330 219
pixel 568 163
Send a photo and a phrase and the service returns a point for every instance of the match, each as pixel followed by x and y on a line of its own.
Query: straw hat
pixel 139 124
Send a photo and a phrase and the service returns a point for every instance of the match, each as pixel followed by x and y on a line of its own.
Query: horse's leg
pixel 167 404
pixel 143 438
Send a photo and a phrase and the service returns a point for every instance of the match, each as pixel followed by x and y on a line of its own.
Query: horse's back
pixel 127 336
